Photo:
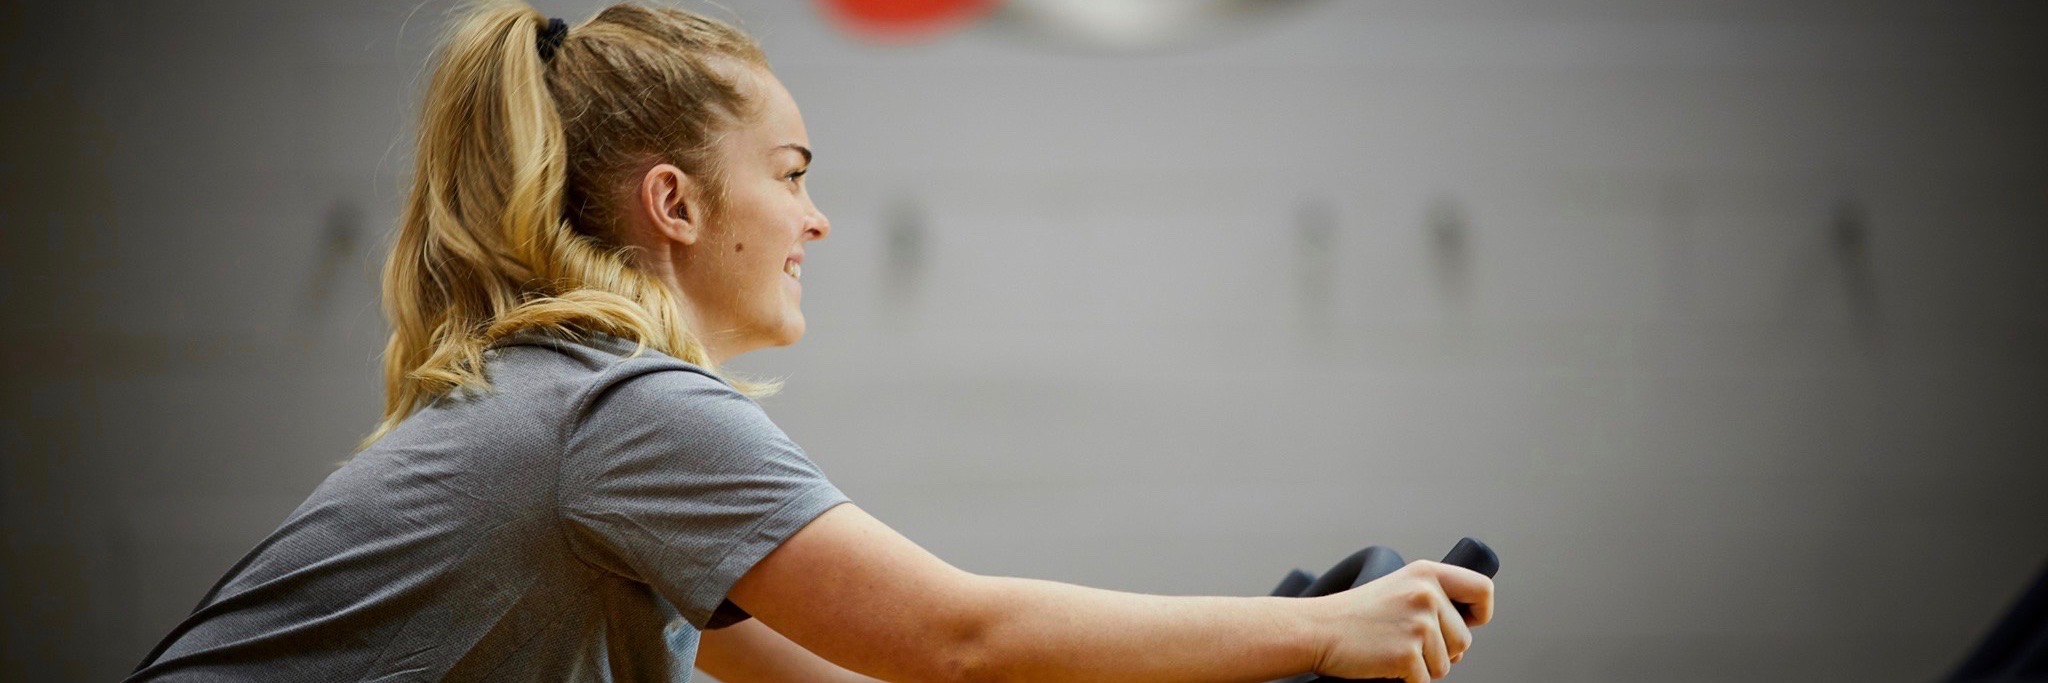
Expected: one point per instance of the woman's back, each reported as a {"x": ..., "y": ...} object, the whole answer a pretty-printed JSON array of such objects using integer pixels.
[{"x": 567, "y": 523}]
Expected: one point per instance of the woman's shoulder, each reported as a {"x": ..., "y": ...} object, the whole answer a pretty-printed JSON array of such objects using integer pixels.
[
  {"x": 593, "y": 353},
  {"x": 561, "y": 384},
  {"x": 595, "y": 367},
  {"x": 621, "y": 396}
]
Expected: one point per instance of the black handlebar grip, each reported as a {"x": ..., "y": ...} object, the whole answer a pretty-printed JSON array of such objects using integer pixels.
[
  {"x": 1468, "y": 553},
  {"x": 1296, "y": 581},
  {"x": 1473, "y": 555},
  {"x": 1362, "y": 566}
]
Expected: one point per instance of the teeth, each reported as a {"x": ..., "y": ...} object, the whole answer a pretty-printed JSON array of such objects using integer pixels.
[{"x": 795, "y": 270}]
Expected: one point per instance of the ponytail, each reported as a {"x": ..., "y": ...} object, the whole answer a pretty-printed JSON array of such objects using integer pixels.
[{"x": 484, "y": 248}]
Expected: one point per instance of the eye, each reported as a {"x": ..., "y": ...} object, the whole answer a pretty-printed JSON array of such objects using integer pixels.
[{"x": 799, "y": 173}]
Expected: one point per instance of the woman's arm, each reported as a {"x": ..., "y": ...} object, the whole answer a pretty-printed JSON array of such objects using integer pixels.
[
  {"x": 855, "y": 592},
  {"x": 750, "y": 652}
]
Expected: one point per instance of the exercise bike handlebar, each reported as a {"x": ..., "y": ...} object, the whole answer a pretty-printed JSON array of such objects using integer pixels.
[{"x": 1374, "y": 562}]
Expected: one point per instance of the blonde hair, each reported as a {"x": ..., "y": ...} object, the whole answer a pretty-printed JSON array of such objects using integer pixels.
[{"x": 511, "y": 223}]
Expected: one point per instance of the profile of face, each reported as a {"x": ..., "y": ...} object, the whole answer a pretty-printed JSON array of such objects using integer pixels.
[{"x": 740, "y": 272}]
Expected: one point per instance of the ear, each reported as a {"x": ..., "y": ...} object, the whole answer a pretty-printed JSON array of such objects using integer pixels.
[{"x": 668, "y": 200}]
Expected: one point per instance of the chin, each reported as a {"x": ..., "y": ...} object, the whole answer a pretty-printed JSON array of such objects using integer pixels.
[{"x": 790, "y": 333}]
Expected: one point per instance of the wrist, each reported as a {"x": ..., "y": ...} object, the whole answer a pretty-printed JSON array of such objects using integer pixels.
[{"x": 1313, "y": 619}]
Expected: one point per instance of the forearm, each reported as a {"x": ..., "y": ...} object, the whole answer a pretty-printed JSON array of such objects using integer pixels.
[
  {"x": 857, "y": 593},
  {"x": 1035, "y": 630}
]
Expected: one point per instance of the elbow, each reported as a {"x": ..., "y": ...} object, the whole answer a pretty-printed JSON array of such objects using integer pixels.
[
  {"x": 943, "y": 662},
  {"x": 978, "y": 662},
  {"x": 949, "y": 661},
  {"x": 954, "y": 667},
  {"x": 961, "y": 665},
  {"x": 964, "y": 651}
]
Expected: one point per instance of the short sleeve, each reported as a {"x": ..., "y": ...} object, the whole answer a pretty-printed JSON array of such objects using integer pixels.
[{"x": 674, "y": 479}]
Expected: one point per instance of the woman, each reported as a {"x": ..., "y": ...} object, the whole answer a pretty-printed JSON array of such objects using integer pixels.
[{"x": 563, "y": 485}]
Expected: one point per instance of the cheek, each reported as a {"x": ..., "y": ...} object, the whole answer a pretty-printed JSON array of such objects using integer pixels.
[
  {"x": 756, "y": 259},
  {"x": 761, "y": 232}
]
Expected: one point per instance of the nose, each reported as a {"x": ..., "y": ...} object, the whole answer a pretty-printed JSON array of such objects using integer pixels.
[{"x": 818, "y": 226}]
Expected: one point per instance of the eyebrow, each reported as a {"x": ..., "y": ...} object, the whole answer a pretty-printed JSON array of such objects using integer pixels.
[{"x": 800, "y": 149}]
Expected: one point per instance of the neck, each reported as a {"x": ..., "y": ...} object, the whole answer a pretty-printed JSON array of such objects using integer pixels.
[
  {"x": 719, "y": 344},
  {"x": 717, "y": 348}
]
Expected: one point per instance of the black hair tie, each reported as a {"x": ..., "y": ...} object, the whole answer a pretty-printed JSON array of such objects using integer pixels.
[{"x": 551, "y": 38}]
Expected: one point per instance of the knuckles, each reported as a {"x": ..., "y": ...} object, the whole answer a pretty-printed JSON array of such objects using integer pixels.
[
  {"x": 1418, "y": 627},
  {"x": 1418, "y": 595}
]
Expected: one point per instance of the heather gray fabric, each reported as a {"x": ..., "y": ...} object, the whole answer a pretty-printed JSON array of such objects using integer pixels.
[{"x": 580, "y": 522}]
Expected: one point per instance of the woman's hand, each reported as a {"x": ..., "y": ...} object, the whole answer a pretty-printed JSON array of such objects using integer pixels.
[{"x": 1402, "y": 625}]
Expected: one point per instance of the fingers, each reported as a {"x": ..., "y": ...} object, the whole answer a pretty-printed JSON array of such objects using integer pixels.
[
  {"x": 1418, "y": 671},
  {"x": 1466, "y": 587},
  {"x": 1435, "y": 653},
  {"x": 1457, "y": 636}
]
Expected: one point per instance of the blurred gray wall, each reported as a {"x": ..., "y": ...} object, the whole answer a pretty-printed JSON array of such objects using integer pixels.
[{"x": 1726, "y": 323}]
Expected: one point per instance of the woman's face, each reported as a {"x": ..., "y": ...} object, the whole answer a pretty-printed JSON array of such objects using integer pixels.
[{"x": 743, "y": 277}]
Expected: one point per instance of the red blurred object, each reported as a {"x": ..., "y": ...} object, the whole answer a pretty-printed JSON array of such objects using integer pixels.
[{"x": 904, "y": 21}]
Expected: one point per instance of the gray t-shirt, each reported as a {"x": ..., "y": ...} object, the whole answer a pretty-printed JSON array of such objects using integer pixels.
[{"x": 581, "y": 521}]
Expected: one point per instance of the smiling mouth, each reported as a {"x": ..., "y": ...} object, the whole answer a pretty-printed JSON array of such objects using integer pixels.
[{"x": 793, "y": 269}]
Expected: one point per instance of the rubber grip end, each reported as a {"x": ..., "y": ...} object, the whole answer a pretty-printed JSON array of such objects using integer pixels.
[{"x": 1474, "y": 555}]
